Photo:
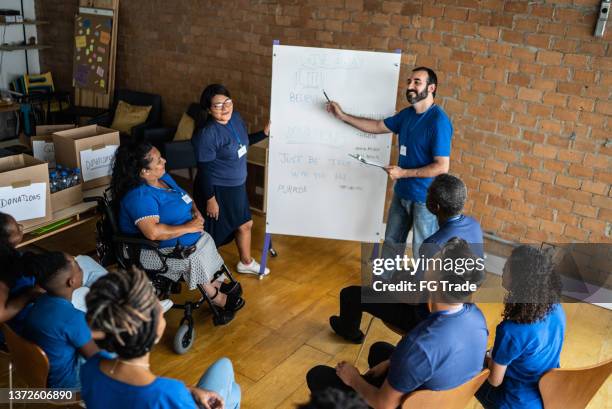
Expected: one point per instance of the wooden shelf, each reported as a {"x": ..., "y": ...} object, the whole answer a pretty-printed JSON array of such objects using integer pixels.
[
  {"x": 26, "y": 23},
  {"x": 23, "y": 47}
]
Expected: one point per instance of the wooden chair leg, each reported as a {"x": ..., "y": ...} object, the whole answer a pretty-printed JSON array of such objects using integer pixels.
[{"x": 365, "y": 338}]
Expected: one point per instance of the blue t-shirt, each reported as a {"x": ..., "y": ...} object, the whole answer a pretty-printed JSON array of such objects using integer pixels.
[
  {"x": 60, "y": 330},
  {"x": 219, "y": 144},
  {"x": 424, "y": 136},
  {"x": 529, "y": 351},
  {"x": 167, "y": 204},
  {"x": 99, "y": 391},
  {"x": 464, "y": 227},
  {"x": 442, "y": 352}
]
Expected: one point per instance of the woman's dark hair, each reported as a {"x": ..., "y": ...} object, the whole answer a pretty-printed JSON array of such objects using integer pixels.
[
  {"x": 43, "y": 266},
  {"x": 123, "y": 304},
  {"x": 206, "y": 100},
  {"x": 129, "y": 160},
  {"x": 5, "y": 220},
  {"x": 534, "y": 285}
]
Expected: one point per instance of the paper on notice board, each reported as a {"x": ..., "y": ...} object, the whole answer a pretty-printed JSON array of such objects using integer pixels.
[
  {"x": 44, "y": 151},
  {"x": 24, "y": 203},
  {"x": 97, "y": 163},
  {"x": 104, "y": 37},
  {"x": 80, "y": 41}
]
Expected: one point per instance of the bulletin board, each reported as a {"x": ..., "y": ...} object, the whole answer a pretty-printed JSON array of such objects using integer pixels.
[{"x": 93, "y": 31}]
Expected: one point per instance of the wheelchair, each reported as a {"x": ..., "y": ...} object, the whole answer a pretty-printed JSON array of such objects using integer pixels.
[{"x": 113, "y": 247}]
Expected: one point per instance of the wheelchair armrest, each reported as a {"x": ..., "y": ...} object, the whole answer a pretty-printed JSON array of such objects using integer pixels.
[{"x": 119, "y": 238}]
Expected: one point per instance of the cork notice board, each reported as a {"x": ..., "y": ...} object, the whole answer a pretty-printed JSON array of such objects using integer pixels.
[{"x": 92, "y": 39}]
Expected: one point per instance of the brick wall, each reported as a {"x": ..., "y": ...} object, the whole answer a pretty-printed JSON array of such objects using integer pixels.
[{"x": 527, "y": 85}]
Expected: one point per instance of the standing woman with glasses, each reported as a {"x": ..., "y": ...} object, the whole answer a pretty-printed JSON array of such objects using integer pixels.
[{"x": 221, "y": 142}]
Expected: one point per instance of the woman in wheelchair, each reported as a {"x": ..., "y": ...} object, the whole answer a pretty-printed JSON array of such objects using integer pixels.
[
  {"x": 123, "y": 306},
  {"x": 150, "y": 203}
]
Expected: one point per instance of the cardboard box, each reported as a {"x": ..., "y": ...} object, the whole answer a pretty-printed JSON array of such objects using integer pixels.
[
  {"x": 42, "y": 144},
  {"x": 94, "y": 146},
  {"x": 67, "y": 197},
  {"x": 19, "y": 174}
]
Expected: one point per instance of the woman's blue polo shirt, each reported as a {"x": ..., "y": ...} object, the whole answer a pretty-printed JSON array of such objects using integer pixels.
[{"x": 170, "y": 205}]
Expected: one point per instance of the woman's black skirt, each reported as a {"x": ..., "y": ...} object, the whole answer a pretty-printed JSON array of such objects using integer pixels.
[{"x": 234, "y": 211}]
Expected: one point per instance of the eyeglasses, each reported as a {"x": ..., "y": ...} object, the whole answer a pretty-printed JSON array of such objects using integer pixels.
[{"x": 228, "y": 103}]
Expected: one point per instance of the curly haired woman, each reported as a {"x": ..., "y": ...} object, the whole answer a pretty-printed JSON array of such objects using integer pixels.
[{"x": 528, "y": 341}]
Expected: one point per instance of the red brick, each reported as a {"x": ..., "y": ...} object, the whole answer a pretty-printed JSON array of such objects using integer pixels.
[
  {"x": 544, "y": 213},
  {"x": 581, "y": 104},
  {"x": 490, "y": 33},
  {"x": 552, "y": 227},
  {"x": 521, "y": 171},
  {"x": 604, "y": 107},
  {"x": 576, "y": 233},
  {"x": 552, "y": 98},
  {"x": 567, "y": 182},
  {"x": 554, "y": 165},
  {"x": 585, "y": 210},
  {"x": 519, "y": 79},
  {"x": 528, "y": 94},
  {"x": 559, "y": 73},
  {"x": 603, "y": 202},
  {"x": 545, "y": 151},
  {"x": 511, "y": 36},
  {"x": 538, "y": 40},
  {"x": 492, "y": 188},
  {"x": 571, "y": 156},
  {"x": 542, "y": 176},
  {"x": 521, "y": 207},
  {"x": 577, "y": 170},
  {"x": 523, "y": 54},
  {"x": 593, "y": 225},
  {"x": 597, "y": 161},
  {"x": 576, "y": 60},
  {"x": 595, "y": 187},
  {"x": 567, "y": 218},
  {"x": 530, "y": 185}
]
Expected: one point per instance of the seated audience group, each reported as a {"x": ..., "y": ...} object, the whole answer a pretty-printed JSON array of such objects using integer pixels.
[{"x": 98, "y": 328}]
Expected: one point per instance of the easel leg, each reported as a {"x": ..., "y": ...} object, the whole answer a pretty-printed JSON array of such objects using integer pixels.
[{"x": 264, "y": 255}]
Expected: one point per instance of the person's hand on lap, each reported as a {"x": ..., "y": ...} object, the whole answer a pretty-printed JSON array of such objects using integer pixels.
[
  {"x": 207, "y": 399},
  {"x": 347, "y": 372}
]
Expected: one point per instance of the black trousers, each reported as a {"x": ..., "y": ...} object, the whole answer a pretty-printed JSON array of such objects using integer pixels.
[
  {"x": 404, "y": 316},
  {"x": 322, "y": 377}
]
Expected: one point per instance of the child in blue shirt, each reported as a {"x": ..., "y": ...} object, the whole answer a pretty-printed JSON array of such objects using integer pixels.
[
  {"x": 528, "y": 341},
  {"x": 123, "y": 306},
  {"x": 53, "y": 323}
]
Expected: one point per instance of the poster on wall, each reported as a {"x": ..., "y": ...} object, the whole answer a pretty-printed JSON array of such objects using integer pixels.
[{"x": 92, "y": 42}]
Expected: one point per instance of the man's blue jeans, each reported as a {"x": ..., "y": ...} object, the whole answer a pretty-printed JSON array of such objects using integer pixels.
[
  {"x": 403, "y": 216},
  {"x": 219, "y": 378}
]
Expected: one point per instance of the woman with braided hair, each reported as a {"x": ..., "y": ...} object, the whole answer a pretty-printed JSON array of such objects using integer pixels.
[
  {"x": 528, "y": 341},
  {"x": 123, "y": 306},
  {"x": 150, "y": 203}
]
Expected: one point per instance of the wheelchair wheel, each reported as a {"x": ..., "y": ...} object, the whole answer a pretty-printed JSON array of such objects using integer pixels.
[{"x": 183, "y": 340}]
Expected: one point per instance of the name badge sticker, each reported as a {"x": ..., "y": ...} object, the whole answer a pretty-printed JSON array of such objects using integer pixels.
[
  {"x": 403, "y": 150},
  {"x": 242, "y": 151},
  {"x": 186, "y": 198}
]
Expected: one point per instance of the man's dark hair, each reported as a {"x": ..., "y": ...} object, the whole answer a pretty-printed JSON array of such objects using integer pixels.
[
  {"x": 449, "y": 192},
  {"x": 331, "y": 398},
  {"x": 432, "y": 78},
  {"x": 459, "y": 265}
]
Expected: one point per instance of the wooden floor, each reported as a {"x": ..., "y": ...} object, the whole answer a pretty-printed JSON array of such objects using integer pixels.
[{"x": 283, "y": 329}]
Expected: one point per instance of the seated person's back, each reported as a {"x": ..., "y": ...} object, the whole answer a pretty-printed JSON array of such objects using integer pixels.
[
  {"x": 442, "y": 352},
  {"x": 529, "y": 340},
  {"x": 101, "y": 391},
  {"x": 54, "y": 324},
  {"x": 529, "y": 350}
]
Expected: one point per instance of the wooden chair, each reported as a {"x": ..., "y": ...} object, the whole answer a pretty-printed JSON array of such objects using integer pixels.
[
  {"x": 457, "y": 398},
  {"x": 573, "y": 388},
  {"x": 393, "y": 328},
  {"x": 29, "y": 362}
]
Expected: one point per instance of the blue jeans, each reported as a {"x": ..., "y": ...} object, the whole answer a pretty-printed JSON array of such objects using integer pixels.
[
  {"x": 219, "y": 378},
  {"x": 403, "y": 216}
]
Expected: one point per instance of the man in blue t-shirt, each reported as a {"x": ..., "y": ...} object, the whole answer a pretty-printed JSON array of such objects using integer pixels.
[
  {"x": 445, "y": 199},
  {"x": 444, "y": 351},
  {"x": 424, "y": 133}
]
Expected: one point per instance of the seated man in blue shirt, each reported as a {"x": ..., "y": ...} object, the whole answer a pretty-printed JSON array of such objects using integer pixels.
[
  {"x": 53, "y": 323},
  {"x": 442, "y": 352},
  {"x": 445, "y": 198}
]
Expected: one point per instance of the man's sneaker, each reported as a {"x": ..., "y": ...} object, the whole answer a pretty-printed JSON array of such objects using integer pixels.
[
  {"x": 252, "y": 268},
  {"x": 166, "y": 304},
  {"x": 336, "y": 324}
]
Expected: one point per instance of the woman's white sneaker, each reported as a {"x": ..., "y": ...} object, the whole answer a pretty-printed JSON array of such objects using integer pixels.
[{"x": 252, "y": 268}]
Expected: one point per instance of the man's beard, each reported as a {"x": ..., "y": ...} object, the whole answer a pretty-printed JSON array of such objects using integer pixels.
[{"x": 414, "y": 97}]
